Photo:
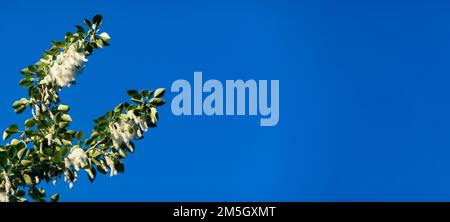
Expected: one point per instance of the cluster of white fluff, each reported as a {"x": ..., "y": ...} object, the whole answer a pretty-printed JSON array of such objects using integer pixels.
[
  {"x": 139, "y": 123},
  {"x": 131, "y": 127},
  {"x": 111, "y": 165},
  {"x": 67, "y": 178},
  {"x": 77, "y": 158},
  {"x": 153, "y": 116},
  {"x": 4, "y": 196},
  {"x": 67, "y": 66},
  {"x": 122, "y": 133}
]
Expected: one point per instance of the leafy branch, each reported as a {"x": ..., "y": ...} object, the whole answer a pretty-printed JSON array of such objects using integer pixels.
[{"x": 45, "y": 149}]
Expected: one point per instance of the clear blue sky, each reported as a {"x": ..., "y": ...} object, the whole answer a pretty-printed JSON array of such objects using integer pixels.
[{"x": 364, "y": 85}]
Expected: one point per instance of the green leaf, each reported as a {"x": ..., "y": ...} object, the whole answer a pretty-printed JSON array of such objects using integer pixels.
[
  {"x": 3, "y": 159},
  {"x": 69, "y": 35},
  {"x": 133, "y": 93},
  {"x": 27, "y": 179},
  {"x": 21, "y": 153},
  {"x": 64, "y": 151},
  {"x": 122, "y": 153},
  {"x": 92, "y": 174},
  {"x": 11, "y": 130},
  {"x": 26, "y": 162},
  {"x": 14, "y": 142},
  {"x": 42, "y": 192},
  {"x": 88, "y": 23},
  {"x": 145, "y": 93},
  {"x": 59, "y": 44},
  {"x": 25, "y": 71},
  {"x": 120, "y": 167},
  {"x": 104, "y": 36},
  {"x": 29, "y": 123},
  {"x": 66, "y": 117},
  {"x": 20, "y": 109},
  {"x": 63, "y": 108},
  {"x": 159, "y": 92},
  {"x": 29, "y": 70},
  {"x": 92, "y": 138},
  {"x": 79, "y": 135},
  {"x": 17, "y": 104},
  {"x": 66, "y": 142},
  {"x": 54, "y": 197},
  {"x": 157, "y": 101},
  {"x": 80, "y": 29},
  {"x": 20, "y": 103},
  {"x": 89, "y": 49},
  {"x": 101, "y": 120},
  {"x": 118, "y": 108},
  {"x": 26, "y": 82},
  {"x": 34, "y": 193},
  {"x": 99, "y": 43},
  {"x": 93, "y": 43},
  {"x": 97, "y": 19},
  {"x": 63, "y": 124},
  {"x": 20, "y": 193}
]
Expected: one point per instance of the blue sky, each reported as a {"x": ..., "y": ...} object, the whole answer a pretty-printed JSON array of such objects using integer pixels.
[{"x": 364, "y": 96}]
